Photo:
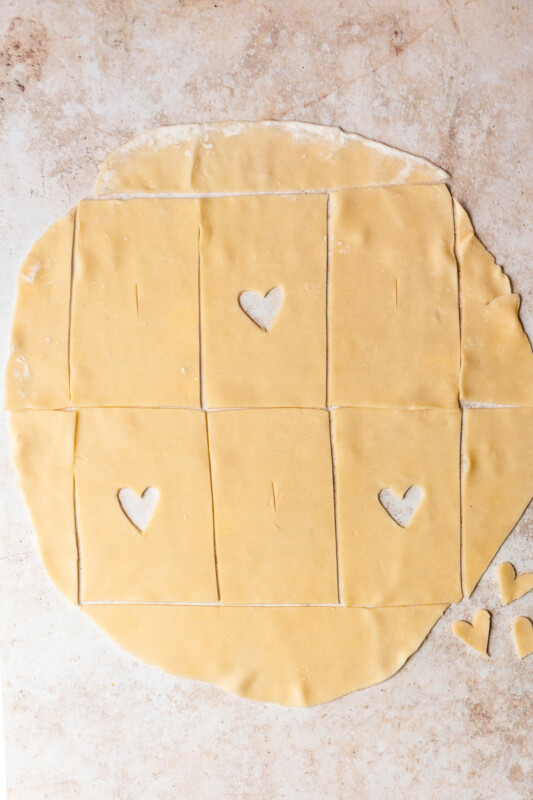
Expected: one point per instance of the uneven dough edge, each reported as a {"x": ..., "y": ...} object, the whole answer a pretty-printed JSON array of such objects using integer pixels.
[
  {"x": 498, "y": 447},
  {"x": 257, "y": 156},
  {"x": 37, "y": 371},
  {"x": 43, "y": 452},
  {"x": 294, "y": 656},
  {"x": 496, "y": 354}
]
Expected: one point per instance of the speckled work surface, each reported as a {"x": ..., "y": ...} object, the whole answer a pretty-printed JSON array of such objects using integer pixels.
[{"x": 448, "y": 80}]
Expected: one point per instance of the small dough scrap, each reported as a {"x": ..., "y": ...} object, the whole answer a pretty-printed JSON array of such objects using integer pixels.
[
  {"x": 380, "y": 562},
  {"x": 43, "y": 452},
  {"x": 497, "y": 360},
  {"x": 256, "y": 244},
  {"x": 174, "y": 559},
  {"x": 37, "y": 374},
  {"x": 394, "y": 308},
  {"x": 274, "y": 514},
  {"x": 498, "y": 443},
  {"x": 511, "y": 586},
  {"x": 475, "y": 634},
  {"x": 295, "y": 656},
  {"x": 523, "y": 636},
  {"x": 256, "y": 157},
  {"x": 135, "y": 317}
]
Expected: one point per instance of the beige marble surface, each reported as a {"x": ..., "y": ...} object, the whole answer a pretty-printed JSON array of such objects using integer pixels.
[{"x": 446, "y": 79}]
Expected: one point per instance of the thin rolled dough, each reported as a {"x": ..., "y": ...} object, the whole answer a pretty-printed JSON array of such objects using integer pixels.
[{"x": 280, "y": 505}]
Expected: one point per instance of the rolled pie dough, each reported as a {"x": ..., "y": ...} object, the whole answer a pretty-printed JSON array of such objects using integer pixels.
[{"x": 268, "y": 564}]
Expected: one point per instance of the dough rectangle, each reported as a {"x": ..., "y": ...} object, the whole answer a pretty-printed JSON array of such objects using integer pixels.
[
  {"x": 174, "y": 559},
  {"x": 135, "y": 336},
  {"x": 394, "y": 309},
  {"x": 380, "y": 562},
  {"x": 256, "y": 244},
  {"x": 273, "y": 497}
]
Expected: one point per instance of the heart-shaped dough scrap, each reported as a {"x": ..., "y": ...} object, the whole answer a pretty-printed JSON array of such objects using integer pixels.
[
  {"x": 401, "y": 509},
  {"x": 138, "y": 510},
  {"x": 523, "y": 636},
  {"x": 262, "y": 310},
  {"x": 513, "y": 587},
  {"x": 476, "y": 633}
]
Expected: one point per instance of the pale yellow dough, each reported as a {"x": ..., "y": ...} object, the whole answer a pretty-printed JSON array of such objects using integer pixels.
[
  {"x": 259, "y": 511},
  {"x": 497, "y": 360},
  {"x": 475, "y": 634},
  {"x": 37, "y": 373},
  {"x": 380, "y": 562},
  {"x": 293, "y": 656},
  {"x": 257, "y": 157},
  {"x": 135, "y": 314},
  {"x": 394, "y": 313},
  {"x": 43, "y": 451},
  {"x": 523, "y": 636},
  {"x": 174, "y": 560},
  {"x": 513, "y": 587},
  {"x": 258, "y": 243},
  {"x": 498, "y": 443},
  {"x": 274, "y": 515}
]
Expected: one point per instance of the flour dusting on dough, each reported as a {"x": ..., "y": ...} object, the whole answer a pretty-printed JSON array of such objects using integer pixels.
[
  {"x": 195, "y": 136},
  {"x": 31, "y": 272},
  {"x": 21, "y": 373}
]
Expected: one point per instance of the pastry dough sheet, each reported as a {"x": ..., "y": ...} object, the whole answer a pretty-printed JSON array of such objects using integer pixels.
[{"x": 268, "y": 564}]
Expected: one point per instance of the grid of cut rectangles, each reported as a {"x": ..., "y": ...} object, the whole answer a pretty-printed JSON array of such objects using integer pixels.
[{"x": 269, "y": 448}]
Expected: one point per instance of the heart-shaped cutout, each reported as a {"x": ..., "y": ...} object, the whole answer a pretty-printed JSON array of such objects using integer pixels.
[
  {"x": 523, "y": 636},
  {"x": 476, "y": 633},
  {"x": 262, "y": 310},
  {"x": 401, "y": 509},
  {"x": 511, "y": 586},
  {"x": 138, "y": 510}
]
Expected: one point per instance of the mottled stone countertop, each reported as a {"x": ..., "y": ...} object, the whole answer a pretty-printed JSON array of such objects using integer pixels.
[{"x": 446, "y": 79}]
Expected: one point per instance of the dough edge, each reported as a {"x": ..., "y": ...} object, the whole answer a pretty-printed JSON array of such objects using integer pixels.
[{"x": 292, "y": 656}]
